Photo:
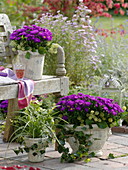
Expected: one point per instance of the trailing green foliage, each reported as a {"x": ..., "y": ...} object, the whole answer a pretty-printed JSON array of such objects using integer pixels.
[{"x": 84, "y": 144}]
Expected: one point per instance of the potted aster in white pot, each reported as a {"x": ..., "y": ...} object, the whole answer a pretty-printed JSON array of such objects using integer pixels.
[
  {"x": 85, "y": 115},
  {"x": 32, "y": 43}
]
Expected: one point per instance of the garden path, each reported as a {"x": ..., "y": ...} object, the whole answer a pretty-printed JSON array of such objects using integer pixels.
[{"x": 117, "y": 145}]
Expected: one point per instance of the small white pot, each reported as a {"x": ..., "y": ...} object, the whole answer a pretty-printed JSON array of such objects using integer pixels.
[
  {"x": 33, "y": 66},
  {"x": 41, "y": 142}
]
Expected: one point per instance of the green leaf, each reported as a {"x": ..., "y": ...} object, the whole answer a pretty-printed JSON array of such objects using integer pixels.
[
  {"x": 26, "y": 149},
  {"x": 88, "y": 122},
  {"x": 111, "y": 156},
  {"x": 16, "y": 151},
  {"x": 84, "y": 128},
  {"x": 87, "y": 160},
  {"x": 34, "y": 146},
  {"x": 41, "y": 50},
  {"x": 102, "y": 125},
  {"x": 89, "y": 143},
  {"x": 60, "y": 149},
  {"x": 34, "y": 153},
  {"x": 92, "y": 154},
  {"x": 27, "y": 55},
  {"x": 62, "y": 142},
  {"x": 42, "y": 151}
]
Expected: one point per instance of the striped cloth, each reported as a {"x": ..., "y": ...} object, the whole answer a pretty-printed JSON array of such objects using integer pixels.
[{"x": 25, "y": 88}]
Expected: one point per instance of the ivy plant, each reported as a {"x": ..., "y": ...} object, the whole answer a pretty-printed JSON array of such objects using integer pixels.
[{"x": 83, "y": 149}]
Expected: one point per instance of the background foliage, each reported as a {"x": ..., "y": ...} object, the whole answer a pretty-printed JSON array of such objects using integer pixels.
[{"x": 20, "y": 11}]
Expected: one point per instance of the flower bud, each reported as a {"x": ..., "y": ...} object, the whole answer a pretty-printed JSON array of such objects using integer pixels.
[
  {"x": 110, "y": 120},
  {"x": 124, "y": 108}
]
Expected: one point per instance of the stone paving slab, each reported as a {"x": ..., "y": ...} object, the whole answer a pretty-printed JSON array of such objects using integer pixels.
[
  {"x": 106, "y": 164},
  {"x": 123, "y": 160},
  {"x": 121, "y": 134},
  {"x": 122, "y": 140},
  {"x": 123, "y": 150},
  {"x": 111, "y": 145}
]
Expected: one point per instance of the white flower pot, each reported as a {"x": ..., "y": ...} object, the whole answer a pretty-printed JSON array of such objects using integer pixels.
[
  {"x": 33, "y": 66},
  {"x": 41, "y": 142},
  {"x": 98, "y": 138}
]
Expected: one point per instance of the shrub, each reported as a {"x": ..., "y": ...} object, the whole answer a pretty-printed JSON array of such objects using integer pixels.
[
  {"x": 77, "y": 38},
  {"x": 98, "y": 7}
]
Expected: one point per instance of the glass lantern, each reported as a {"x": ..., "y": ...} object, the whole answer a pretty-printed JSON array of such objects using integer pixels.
[{"x": 112, "y": 87}]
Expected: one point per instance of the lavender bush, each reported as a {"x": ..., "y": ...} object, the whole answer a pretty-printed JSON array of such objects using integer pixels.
[
  {"x": 77, "y": 38},
  {"x": 31, "y": 38},
  {"x": 80, "y": 109}
]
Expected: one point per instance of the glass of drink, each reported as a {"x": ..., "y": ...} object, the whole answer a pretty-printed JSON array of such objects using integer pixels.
[{"x": 19, "y": 71}]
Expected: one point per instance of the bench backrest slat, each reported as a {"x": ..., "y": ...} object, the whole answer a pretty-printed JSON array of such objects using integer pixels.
[{"x": 5, "y": 30}]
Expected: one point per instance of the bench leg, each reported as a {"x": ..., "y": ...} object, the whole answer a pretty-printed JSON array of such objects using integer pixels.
[{"x": 12, "y": 108}]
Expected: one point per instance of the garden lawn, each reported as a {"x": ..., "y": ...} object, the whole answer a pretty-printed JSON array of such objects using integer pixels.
[
  {"x": 115, "y": 33},
  {"x": 108, "y": 23}
]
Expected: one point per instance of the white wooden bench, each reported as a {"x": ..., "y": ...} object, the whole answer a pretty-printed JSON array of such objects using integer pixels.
[{"x": 58, "y": 84}]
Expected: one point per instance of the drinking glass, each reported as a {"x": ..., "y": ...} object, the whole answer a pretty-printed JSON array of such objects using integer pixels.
[{"x": 19, "y": 71}]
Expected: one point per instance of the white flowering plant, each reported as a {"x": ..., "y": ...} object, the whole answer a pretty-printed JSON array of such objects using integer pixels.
[{"x": 77, "y": 38}]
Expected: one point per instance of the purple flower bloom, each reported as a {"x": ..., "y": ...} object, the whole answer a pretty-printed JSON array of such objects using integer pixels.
[
  {"x": 80, "y": 102},
  {"x": 4, "y": 104},
  {"x": 105, "y": 108},
  {"x": 83, "y": 106},
  {"x": 86, "y": 109},
  {"x": 18, "y": 38},
  {"x": 23, "y": 33},
  {"x": 34, "y": 32},
  {"x": 37, "y": 40},
  {"x": 31, "y": 37},
  {"x": 70, "y": 103},
  {"x": 65, "y": 117},
  {"x": 78, "y": 108},
  {"x": 87, "y": 103},
  {"x": 62, "y": 108}
]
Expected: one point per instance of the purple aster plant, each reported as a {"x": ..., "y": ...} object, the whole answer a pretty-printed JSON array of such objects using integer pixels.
[
  {"x": 3, "y": 108},
  {"x": 80, "y": 109},
  {"x": 31, "y": 38}
]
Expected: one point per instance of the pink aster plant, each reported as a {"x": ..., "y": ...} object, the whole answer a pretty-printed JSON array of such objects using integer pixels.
[
  {"x": 31, "y": 38},
  {"x": 81, "y": 109}
]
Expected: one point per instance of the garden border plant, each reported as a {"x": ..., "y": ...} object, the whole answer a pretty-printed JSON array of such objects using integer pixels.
[
  {"x": 84, "y": 144},
  {"x": 77, "y": 38},
  {"x": 84, "y": 111}
]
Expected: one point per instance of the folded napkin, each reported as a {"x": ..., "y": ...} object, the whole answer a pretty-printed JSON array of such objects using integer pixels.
[
  {"x": 1, "y": 68},
  {"x": 25, "y": 88},
  {"x": 3, "y": 74}
]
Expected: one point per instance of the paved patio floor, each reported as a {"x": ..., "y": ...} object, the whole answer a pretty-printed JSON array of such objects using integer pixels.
[{"x": 117, "y": 144}]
